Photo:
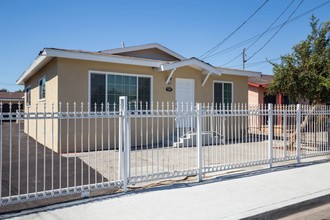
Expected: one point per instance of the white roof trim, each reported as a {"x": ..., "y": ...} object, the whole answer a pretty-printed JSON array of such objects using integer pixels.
[
  {"x": 238, "y": 72},
  {"x": 49, "y": 53},
  {"x": 190, "y": 62},
  {"x": 12, "y": 100},
  {"x": 144, "y": 47},
  {"x": 102, "y": 58},
  {"x": 33, "y": 68}
]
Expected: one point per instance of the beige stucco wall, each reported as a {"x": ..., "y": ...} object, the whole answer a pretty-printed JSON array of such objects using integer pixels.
[
  {"x": 73, "y": 78},
  {"x": 67, "y": 81},
  {"x": 253, "y": 95},
  {"x": 73, "y": 81},
  {"x": 44, "y": 130},
  {"x": 256, "y": 95}
]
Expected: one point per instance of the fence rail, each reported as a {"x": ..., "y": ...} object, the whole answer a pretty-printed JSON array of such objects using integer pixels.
[{"x": 52, "y": 151}]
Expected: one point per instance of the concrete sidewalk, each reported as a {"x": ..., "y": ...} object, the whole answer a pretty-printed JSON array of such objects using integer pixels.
[{"x": 233, "y": 197}]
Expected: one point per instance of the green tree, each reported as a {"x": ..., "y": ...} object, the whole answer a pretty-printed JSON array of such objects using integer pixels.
[
  {"x": 3, "y": 90},
  {"x": 305, "y": 72}
]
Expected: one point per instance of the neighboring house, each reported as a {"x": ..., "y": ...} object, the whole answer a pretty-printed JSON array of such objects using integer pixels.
[
  {"x": 146, "y": 73},
  {"x": 258, "y": 93},
  {"x": 11, "y": 102},
  {"x": 258, "y": 96}
]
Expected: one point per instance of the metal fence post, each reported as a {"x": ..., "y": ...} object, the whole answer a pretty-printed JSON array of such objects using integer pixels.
[
  {"x": 328, "y": 134},
  {"x": 284, "y": 131},
  {"x": 298, "y": 122},
  {"x": 123, "y": 141},
  {"x": 120, "y": 141},
  {"x": 199, "y": 142},
  {"x": 270, "y": 134},
  {"x": 128, "y": 145}
]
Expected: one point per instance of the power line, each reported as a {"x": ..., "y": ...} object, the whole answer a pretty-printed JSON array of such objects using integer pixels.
[
  {"x": 8, "y": 84},
  {"x": 272, "y": 29},
  {"x": 263, "y": 46},
  {"x": 209, "y": 52},
  {"x": 232, "y": 59},
  {"x": 271, "y": 25},
  {"x": 256, "y": 63}
]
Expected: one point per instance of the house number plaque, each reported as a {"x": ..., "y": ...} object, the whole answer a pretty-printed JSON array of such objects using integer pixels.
[{"x": 169, "y": 89}]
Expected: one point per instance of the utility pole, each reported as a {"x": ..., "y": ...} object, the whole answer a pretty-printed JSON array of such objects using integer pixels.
[{"x": 244, "y": 58}]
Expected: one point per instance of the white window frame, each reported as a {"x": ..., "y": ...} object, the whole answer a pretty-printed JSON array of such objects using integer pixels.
[
  {"x": 26, "y": 98},
  {"x": 90, "y": 72},
  {"x": 232, "y": 89},
  {"x": 44, "y": 98}
]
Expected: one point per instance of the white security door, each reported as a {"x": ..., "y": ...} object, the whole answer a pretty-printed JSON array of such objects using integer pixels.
[
  {"x": 184, "y": 94},
  {"x": 184, "y": 91}
]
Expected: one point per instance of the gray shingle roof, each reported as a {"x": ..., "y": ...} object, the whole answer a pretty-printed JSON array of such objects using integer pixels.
[{"x": 11, "y": 95}]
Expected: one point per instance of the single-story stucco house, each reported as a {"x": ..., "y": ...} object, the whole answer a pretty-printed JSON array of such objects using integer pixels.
[
  {"x": 257, "y": 86},
  {"x": 258, "y": 93},
  {"x": 11, "y": 102},
  {"x": 145, "y": 73}
]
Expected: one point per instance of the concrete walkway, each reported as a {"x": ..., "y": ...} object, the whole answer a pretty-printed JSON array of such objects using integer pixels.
[{"x": 233, "y": 197}]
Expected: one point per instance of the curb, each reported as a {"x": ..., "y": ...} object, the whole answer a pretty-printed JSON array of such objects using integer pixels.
[{"x": 292, "y": 209}]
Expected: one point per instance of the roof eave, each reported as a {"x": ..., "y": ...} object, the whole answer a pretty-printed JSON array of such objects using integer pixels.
[
  {"x": 144, "y": 47},
  {"x": 11, "y": 100},
  {"x": 36, "y": 65},
  {"x": 103, "y": 58},
  {"x": 191, "y": 62},
  {"x": 49, "y": 53},
  {"x": 237, "y": 72}
]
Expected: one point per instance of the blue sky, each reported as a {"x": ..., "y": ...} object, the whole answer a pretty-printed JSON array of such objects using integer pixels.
[{"x": 187, "y": 27}]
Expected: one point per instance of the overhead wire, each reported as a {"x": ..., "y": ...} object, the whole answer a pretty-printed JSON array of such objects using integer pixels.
[
  {"x": 270, "y": 30},
  {"x": 263, "y": 46},
  {"x": 232, "y": 59},
  {"x": 8, "y": 84},
  {"x": 271, "y": 25},
  {"x": 207, "y": 53},
  {"x": 263, "y": 33},
  {"x": 257, "y": 63}
]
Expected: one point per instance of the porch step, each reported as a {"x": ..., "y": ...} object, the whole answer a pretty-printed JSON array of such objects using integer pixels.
[{"x": 190, "y": 139}]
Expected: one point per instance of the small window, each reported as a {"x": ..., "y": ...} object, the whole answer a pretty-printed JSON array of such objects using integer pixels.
[
  {"x": 223, "y": 94},
  {"x": 42, "y": 88},
  {"x": 28, "y": 95}
]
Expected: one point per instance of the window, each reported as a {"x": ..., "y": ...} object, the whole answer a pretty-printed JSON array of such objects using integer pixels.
[
  {"x": 42, "y": 88},
  {"x": 107, "y": 88},
  {"x": 97, "y": 90},
  {"x": 223, "y": 93},
  {"x": 28, "y": 95}
]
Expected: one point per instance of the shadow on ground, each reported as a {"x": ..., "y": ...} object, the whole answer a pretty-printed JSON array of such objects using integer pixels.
[{"x": 29, "y": 167}]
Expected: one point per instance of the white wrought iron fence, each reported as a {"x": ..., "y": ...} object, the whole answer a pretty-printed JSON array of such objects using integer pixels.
[{"x": 52, "y": 151}]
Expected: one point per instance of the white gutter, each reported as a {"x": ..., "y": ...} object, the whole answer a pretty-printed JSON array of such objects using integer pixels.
[
  {"x": 11, "y": 100},
  {"x": 48, "y": 53},
  {"x": 34, "y": 67},
  {"x": 102, "y": 58},
  {"x": 239, "y": 72}
]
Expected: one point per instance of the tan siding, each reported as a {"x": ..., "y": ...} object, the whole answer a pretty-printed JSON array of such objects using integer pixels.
[
  {"x": 253, "y": 95},
  {"x": 44, "y": 129},
  {"x": 73, "y": 81},
  {"x": 67, "y": 82}
]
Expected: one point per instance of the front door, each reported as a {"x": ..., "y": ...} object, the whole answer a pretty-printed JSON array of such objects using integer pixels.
[
  {"x": 184, "y": 92},
  {"x": 185, "y": 99}
]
